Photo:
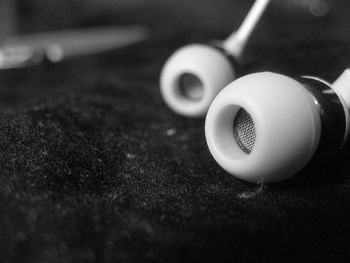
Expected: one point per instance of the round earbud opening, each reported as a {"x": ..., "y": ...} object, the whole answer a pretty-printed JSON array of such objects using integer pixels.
[
  {"x": 244, "y": 130},
  {"x": 234, "y": 130},
  {"x": 190, "y": 87}
]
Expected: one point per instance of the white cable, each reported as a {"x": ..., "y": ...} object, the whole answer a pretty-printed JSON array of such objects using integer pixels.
[{"x": 237, "y": 41}]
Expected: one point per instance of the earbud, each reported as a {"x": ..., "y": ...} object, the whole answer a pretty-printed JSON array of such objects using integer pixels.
[
  {"x": 195, "y": 74},
  {"x": 265, "y": 127}
]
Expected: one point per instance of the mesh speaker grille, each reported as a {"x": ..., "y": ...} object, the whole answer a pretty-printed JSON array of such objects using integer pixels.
[{"x": 244, "y": 131}]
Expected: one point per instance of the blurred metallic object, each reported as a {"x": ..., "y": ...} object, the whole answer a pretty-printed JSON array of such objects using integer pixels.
[
  {"x": 20, "y": 56},
  {"x": 34, "y": 49}
]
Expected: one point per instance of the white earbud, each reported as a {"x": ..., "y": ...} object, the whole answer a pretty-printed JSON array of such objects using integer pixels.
[
  {"x": 265, "y": 127},
  {"x": 194, "y": 74}
]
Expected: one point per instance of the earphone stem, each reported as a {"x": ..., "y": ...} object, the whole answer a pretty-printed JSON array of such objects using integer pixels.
[
  {"x": 237, "y": 41},
  {"x": 342, "y": 86}
]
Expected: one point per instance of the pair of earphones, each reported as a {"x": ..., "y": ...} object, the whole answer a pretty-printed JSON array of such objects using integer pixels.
[{"x": 263, "y": 127}]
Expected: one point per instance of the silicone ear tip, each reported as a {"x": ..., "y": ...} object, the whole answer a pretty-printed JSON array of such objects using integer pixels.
[
  {"x": 192, "y": 77},
  {"x": 286, "y": 127}
]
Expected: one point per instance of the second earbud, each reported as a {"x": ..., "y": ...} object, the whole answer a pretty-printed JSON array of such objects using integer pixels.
[
  {"x": 195, "y": 74},
  {"x": 265, "y": 127}
]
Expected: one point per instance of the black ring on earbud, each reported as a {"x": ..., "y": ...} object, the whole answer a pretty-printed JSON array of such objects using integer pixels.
[
  {"x": 333, "y": 118},
  {"x": 231, "y": 59}
]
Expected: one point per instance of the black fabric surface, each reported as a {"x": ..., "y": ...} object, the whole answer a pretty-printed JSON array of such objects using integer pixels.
[{"x": 95, "y": 168}]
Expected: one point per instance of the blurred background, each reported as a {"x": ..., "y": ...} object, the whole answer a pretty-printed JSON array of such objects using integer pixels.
[
  {"x": 294, "y": 37},
  {"x": 24, "y": 16},
  {"x": 286, "y": 21}
]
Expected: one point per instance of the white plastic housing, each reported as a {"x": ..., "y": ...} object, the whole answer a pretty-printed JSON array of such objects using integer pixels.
[
  {"x": 192, "y": 77},
  {"x": 342, "y": 87},
  {"x": 287, "y": 127}
]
